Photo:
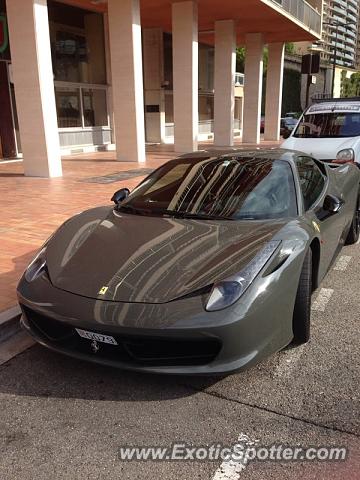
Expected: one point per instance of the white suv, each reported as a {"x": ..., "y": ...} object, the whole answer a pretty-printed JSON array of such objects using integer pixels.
[{"x": 329, "y": 131}]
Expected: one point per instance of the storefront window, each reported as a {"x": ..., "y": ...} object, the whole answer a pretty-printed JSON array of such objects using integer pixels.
[
  {"x": 94, "y": 105},
  {"x": 169, "y": 108},
  {"x": 81, "y": 107},
  {"x": 238, "y": 112},
  {"x": 68, "y": 107},
  {"x": 78, "y": 57},
  {"x": 70, "y": 57},
  {"x": 168, "y": 62},
  {"x": 206, "y": 68},
  {"x": 206, "y": 107},
  {"x": 77, "y": 44}
]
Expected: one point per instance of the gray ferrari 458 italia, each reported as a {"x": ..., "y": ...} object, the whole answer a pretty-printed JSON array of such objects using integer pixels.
[{"x": 206, "y": 267}]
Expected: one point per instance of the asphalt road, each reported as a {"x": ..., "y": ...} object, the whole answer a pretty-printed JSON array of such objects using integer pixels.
[{"x": 61, "y": 418}]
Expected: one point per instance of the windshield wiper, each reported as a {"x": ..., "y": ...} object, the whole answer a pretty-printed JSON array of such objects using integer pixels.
[
  {"x": 128, "y": 208},
  {"x": 195, "y": 216},
  {"x": 131, "y": 209}
]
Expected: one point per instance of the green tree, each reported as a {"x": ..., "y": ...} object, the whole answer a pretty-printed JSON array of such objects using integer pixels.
[
  {"x": 240, "y": 59},
  {"x": 350, "y": 87},
  {"x": 290, "y": 48},
  {"x": 241, "y": 54}
]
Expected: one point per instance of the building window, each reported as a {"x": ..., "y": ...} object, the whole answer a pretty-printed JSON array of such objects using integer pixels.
[
  {"x": 169, "y": 107},
  {"x": 206, "y": 107},
  {"x": 94, "y": 105},
  {"x": 79, "y": 66},
  {"x": 238, "y": 112},
  {"x": 81, "y": 107},
  {"x": 70, "y": 59},
  {"x": 68, "y": 107},
  {"x": 77, "y": 44}
]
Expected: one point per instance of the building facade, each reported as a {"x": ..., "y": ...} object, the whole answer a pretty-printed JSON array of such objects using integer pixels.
[
  {"x": 340, "y": 32},
  {"x": 82, "y": 74}
]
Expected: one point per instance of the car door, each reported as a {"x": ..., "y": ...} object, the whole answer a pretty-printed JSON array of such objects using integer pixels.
[{"x": 314, "y": 188}]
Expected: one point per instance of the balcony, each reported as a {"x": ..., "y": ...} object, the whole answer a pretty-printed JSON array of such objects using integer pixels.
[{"x": 303, "y": 12}]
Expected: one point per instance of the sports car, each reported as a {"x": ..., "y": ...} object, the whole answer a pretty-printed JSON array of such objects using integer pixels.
[{"x": 206, "y": 267}]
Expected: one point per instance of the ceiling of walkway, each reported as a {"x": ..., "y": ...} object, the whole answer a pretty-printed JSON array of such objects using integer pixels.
[{"x": 252, "y": 16}]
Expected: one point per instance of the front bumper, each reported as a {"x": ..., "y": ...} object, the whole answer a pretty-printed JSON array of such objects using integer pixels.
[{"x": 178, "y": 337}]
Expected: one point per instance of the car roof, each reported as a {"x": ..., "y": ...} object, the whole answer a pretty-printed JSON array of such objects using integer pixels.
[
  {"x": 268, "y": 153},
  {"x": 346, "y": 105}
]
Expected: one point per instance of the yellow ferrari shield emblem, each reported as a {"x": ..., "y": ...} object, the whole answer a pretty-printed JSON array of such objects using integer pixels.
[
  {"x": 103, "y": 290},
  {"x": 316, "y": 226}
]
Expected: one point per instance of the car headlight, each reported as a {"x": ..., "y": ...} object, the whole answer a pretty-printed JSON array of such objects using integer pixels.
[
  {"x": 227, "y": 292},
  {"x": 36, "y": 267},
  {"x": 345, "y": 156}
]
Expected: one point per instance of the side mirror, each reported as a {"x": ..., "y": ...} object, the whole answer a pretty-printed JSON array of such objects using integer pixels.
[
  {"x": 332, "y": 204},
  {"x": 120, "y": 195},
  {"x": 286, "y": 134}
]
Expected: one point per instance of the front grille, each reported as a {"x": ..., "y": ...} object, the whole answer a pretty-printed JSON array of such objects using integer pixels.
[{"x": 131, "y": 349}]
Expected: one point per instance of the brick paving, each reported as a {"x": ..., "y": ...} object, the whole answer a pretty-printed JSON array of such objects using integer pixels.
[{"x": 32, "y": 208}]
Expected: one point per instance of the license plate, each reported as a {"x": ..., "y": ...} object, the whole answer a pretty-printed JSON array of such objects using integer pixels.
[{"x": 96, "y": 336}]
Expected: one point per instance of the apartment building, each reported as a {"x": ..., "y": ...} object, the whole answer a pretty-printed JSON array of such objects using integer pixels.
[{"x": 342, "y": 35}]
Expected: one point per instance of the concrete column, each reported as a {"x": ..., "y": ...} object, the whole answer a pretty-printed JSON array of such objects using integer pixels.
[
  {"x": 225, "y": 65},
  {"x": 253, "y": 87},
  {"x": 185, "y": 75},
  {"x": 274, "y": 89},
  {"x": 34, "y": 86},
  {"x": 127, "y": 79}
]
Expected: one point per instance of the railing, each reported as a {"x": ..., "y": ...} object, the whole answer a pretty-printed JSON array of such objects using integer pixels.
[
  {"x": 239, "y": 79},
  {"x": 303, "y": 11}
]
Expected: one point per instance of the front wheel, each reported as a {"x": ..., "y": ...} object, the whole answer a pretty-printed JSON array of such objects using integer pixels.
[
  {"x": 302, "y": 309},
  {"x": 354, "y": 232}
]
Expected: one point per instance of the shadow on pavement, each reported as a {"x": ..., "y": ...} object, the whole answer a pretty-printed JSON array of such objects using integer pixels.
[
  {"x": 38, "y": 372},
  {"x": 11, "y": 269},
  {"x": 2, "y": 174}
]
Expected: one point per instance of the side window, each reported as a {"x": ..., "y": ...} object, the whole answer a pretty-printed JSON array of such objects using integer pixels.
[{"x": 312, "y": 181}]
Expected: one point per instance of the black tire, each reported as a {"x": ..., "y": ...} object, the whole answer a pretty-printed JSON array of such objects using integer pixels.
[
  {"x": 354, "y": 232},
  {"x": 302, "y": 309}
]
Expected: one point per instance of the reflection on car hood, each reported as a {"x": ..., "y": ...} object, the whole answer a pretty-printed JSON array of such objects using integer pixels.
[{"x": 129, "y": 258}]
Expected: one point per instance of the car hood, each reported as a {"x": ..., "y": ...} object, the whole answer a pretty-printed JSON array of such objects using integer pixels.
[
  {"x": 320, "y": 148},
  {"x": 129, "y": 258}
]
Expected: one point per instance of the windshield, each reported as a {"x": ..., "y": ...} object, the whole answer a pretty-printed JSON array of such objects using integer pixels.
[
  {"x": 329, "y": 125},
  {"x": 222, "y": 188}
]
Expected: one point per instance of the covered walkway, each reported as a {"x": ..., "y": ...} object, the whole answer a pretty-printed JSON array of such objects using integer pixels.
[{"x": 141, "y": 75}]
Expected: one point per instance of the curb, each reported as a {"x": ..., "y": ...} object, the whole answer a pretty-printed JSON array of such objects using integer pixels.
[{"x": 9, "y": 323}]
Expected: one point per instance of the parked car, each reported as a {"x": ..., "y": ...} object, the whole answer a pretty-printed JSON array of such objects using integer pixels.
[
  {"x": 329, "y": 131},
  {"x": 287, "y": 125},
  {"x": 206, "y": 267}
]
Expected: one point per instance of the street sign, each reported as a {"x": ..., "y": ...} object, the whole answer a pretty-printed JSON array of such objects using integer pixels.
[{"x": 310, "y": 63}]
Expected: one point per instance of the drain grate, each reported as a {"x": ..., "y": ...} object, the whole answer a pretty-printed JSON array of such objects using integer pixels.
[{"x": 118, "y": 176}]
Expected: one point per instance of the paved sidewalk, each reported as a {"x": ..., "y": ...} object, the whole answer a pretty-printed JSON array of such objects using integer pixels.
[{"x": 32, "y": 208}]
